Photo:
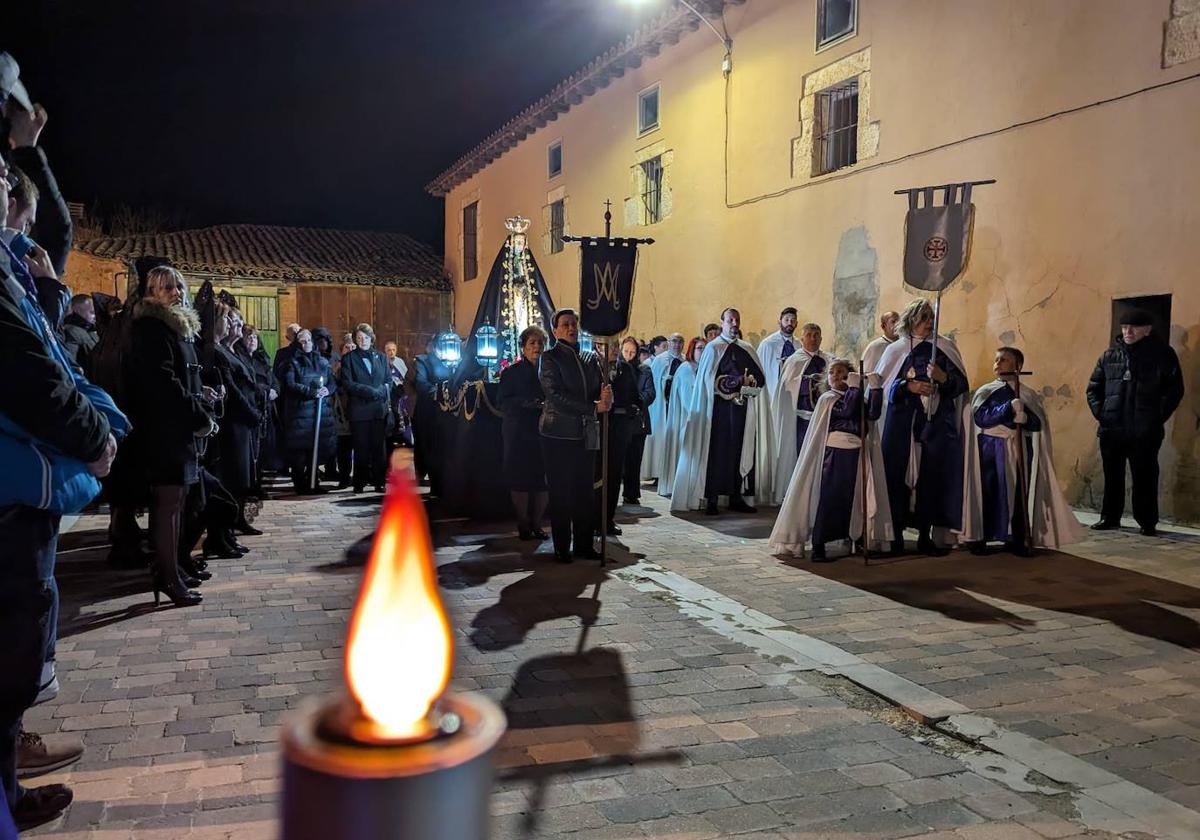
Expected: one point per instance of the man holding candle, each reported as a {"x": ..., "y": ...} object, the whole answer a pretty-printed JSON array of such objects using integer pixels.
[{"x": 575, "y": 394}]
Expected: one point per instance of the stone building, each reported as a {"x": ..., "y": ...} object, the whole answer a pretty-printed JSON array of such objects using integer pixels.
[
  {"x": 330, "y": 278},
  {"x": 773, "y": 184}
]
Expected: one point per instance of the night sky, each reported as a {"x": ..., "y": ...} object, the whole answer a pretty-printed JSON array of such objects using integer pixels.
[{"x": 323, "y": 113}]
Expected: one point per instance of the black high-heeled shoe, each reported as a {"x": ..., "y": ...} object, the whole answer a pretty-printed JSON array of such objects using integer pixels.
[
  {"x": 189, "y": 568},
  {"x": 246, "y": 528},
  {"x": 220, "y": 552},
  {"x": 179, "y": 594}
]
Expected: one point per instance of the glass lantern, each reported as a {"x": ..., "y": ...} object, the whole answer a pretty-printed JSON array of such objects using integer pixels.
[
  {"x": 448, "y": 348},
  {"x": 586, "y": 344},
  {"x": 487, "y": 349}
]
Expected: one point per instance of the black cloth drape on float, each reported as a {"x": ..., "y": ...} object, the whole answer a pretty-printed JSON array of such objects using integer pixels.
[{"x": 470, "y": 448}]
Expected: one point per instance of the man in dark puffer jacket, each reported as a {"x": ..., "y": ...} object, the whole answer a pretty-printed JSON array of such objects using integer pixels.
[{"x": 1136, "y": 386}]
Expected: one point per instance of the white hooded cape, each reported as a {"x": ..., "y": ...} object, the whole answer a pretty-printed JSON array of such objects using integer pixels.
[
  {"x": 889, "y": 369},
  {"x": 874, "y": 352},
  {"x": 770, "y": 351},
  {"x": 798, "y": 512},
  {"x": 687, "y": 492},
  {"x": 783, "y": 402},
  {"x": 652, "y": 457},
  {"x": 681, "y": 397},
  {"x": 1051, "y": 519}
]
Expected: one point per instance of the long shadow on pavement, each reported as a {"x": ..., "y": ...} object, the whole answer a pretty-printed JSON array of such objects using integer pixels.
[
  {"x": 85, "y": 579},
  {"x": 1051, "y": 581}
]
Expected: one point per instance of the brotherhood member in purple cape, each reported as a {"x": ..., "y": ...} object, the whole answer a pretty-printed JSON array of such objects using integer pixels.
[
  {"x": 922, "y": 436},
  {"x": 727, "y": 439},
  {"x": 991, "y": 509},
  {"x": 775, "y": 349},
  {"x": 793, "y": 402},
  {"x": 662, "y": 370},
  {"x": 683, "y": 386},
  {"x": 874, "y": 351},
  {"x": 824, "y": 496}
]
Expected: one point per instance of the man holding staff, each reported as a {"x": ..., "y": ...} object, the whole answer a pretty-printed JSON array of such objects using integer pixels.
[
  {"x": 925, "y": 389},
  {"x": 1012, "y": 494}
]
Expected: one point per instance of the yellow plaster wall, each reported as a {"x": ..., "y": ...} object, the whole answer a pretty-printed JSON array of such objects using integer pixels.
[
  {"x": 86, "y": 274},
  {"x": 1089, "y": 205}
]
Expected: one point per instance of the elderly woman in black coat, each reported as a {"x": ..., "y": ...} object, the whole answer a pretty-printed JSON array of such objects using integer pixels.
[
  {"x": 365, "y": 377},
  {"x": 239, "y": 426},
  {"x": 254, "y": 356},
  {"x": 309, "y": 384},
  {"x": 169, "y": 409},
  {"x": 520, "y": 398}
]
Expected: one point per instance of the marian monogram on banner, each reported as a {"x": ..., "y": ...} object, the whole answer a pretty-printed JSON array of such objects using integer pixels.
[
  {"x": 606, "y": 286},
  {"x": 606, "y": 282}
]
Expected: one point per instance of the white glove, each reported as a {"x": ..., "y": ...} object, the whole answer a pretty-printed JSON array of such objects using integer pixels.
[
  {"x": 1017, "y": 406},
  {"x": 875, "y": 380},
  {"x": 853, "y": 380},
  {"x": 1020, "y": 418}
]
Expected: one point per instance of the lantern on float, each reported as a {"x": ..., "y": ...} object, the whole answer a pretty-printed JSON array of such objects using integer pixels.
[
  {"x": 585, "y": 341},
  {"x": 487, "y": 349},
  {"x": 448, "y": 348}
]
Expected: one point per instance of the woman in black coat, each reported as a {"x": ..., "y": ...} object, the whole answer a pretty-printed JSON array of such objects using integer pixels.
[
  {"x": 169, "y": 410},
  {"x": 365, "y": 377},
  {"x": 520, "y": 398},
  {"x": 239, "y": 426},
  {"x": 255, "y": 357},
  {"x": 309, "y": 385}
]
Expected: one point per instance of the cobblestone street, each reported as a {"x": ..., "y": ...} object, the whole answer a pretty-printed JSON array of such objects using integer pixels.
[{"x": 697, "y": 688}]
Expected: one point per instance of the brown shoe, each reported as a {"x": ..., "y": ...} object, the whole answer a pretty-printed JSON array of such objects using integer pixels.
[
  {"x": 35, "y": 757},
  {"x": 40, "y": 805}
]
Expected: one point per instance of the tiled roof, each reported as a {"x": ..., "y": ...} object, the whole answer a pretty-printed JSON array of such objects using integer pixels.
[
  {"x": 286, "y": 253},
  {"x": 663, "y": 31}
]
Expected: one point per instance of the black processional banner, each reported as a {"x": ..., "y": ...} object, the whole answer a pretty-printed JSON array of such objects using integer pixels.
[
  {"x": 937, "y": 238},
  {"x": 606, "y": 285}
]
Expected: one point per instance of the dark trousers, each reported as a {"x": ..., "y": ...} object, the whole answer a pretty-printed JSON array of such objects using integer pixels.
[
  {"x": 620, "y": 437},
  {"x": 632, "y": 471},
  {"x": 370, "y": 452},
  {"x": 570, "y": 470},
  {"x": 28, "y": 606},
  {"x": 1142, "y": 455}
]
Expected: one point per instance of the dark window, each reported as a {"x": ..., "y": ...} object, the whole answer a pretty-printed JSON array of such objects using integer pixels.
[
  {"x": 558, "y": 220},
  {"x": 835, "y": 18},
  {"x": 470, "y": 226},
  {"x": 652, "y": 178},
  {"x": 1159, "y": 307},
  {"x": 648, "y": 110},
  {"x": 836, "y": 128},
  {"x": 554, "y": 159}
]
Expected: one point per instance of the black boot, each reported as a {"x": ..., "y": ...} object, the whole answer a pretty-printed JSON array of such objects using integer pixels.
[{"x": 818, "y": 554}]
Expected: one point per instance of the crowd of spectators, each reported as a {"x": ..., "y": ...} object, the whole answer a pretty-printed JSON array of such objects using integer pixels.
[{"x": 168, "y": 407}]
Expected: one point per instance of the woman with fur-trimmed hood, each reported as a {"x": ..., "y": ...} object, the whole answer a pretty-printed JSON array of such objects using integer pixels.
[{"x": 169, "y": 410}]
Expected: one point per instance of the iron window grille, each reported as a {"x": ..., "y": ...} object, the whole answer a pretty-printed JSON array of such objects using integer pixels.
[
  {"x": 836, "y": 143},
  {"x": 558, "y": 222},
  {"x": 260, "y": 312},
  {"x": 470, "y": 226},
  {"x": 835, "y": 19},
  {"x": 652, "y": 178},
  {"x": 648, "y": 110},
  {"x": 554, "y": 159}
]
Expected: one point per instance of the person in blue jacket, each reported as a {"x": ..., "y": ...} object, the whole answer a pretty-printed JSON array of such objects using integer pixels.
[{"x": 58, "y": 437}]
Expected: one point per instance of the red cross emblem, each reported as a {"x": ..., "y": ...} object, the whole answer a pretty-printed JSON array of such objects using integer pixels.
[{"x": 936, "y": 248}]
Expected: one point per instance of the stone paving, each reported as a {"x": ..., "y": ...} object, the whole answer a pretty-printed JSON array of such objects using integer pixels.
[{"x": 629, "y": 716}]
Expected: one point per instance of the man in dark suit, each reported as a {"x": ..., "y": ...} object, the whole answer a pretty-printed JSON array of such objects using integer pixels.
[
  {"x": 575, "y": 395},
  {"x": 365, "y": 377}
]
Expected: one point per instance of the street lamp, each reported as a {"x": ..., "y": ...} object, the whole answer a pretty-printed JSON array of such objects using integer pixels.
[{"x": 726, "y": 41}]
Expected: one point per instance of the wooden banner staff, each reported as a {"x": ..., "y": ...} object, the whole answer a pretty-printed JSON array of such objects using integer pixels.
[{"x": 604, "y": 379}]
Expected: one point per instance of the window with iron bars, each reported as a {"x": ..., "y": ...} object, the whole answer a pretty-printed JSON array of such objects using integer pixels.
[
  {"x": 836, "y": 144},
  {"x": 470, "y": 223},
  {"x": 652, "y": 178},
  {"x": 558, "y": 223}
]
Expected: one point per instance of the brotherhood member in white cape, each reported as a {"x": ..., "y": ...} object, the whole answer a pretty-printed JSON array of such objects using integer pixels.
[
  {"x": 923, "y": 432},
  {"x": 991, "y": 508},
  {"x": 682, "y": 389},
  {"x": 874, "y": 351},
  {"x": 662, "y": 371},
  {"x": 824, "y": 500},
  {"x": 727, "y": 444},
  {"x": 775, "y": 349},
  {"x": 794, "y": 400}
]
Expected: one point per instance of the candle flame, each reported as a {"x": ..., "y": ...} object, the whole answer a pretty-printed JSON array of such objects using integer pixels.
[{"x": 399, "y": 650}]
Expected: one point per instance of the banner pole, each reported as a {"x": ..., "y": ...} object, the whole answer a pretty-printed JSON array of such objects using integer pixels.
[
  {"x": 604, "y": 376},
  {"x": 937, "y": 316},
  {"x": 1022, "y": 475}
]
